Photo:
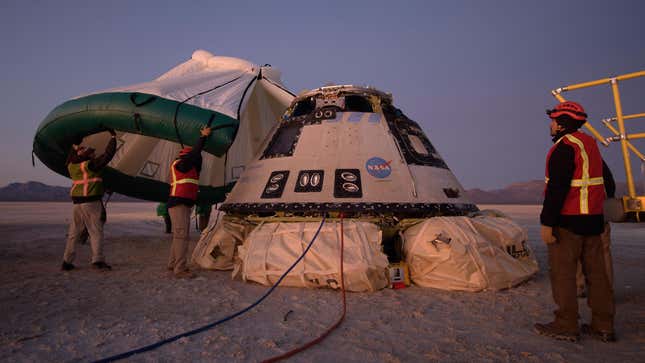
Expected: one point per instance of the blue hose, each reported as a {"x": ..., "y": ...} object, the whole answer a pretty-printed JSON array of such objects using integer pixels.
[{"x": 212, "y": 325}]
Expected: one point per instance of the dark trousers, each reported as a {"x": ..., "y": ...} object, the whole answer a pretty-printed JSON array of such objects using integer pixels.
[
  {"x": 605, "y": 238},
  {"x": 563, "y": 258}
]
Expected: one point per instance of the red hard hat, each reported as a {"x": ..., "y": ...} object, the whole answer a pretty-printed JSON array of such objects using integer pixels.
[
  {"x": 185, "y": 150},
  {"x": 570, "y": 108}
]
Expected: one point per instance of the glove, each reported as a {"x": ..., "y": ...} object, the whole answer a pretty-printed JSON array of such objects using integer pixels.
[
  {"x": 205, "y": 132},
  {"x": 546, "y": 233}
]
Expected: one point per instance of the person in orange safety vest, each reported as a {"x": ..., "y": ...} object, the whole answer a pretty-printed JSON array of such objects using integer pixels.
[
  {"x": 87, "y": 190},
  {"x": 572, "y": 222},
  {"x": 184, "y": 174}
]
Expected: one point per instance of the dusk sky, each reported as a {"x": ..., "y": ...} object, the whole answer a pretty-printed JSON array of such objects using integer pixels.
[{"x": 476, "y": 75}]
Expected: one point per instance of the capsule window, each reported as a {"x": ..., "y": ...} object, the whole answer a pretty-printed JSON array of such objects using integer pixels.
[
  {"x": 414, "y": 144},
  {"x": 304, "y": 107},
  {"x": 417, "y": 145},
  {"x": 284, "y": 141},
  {"x": 354, "y": 103}
]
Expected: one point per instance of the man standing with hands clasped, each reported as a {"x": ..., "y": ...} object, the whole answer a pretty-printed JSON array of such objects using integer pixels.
[
  {"x": 572, "y": 222},
  {"x": 184, "y": 173}
]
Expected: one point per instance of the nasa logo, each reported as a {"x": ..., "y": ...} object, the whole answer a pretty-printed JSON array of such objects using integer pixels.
[{"x": 378, "y": 167}]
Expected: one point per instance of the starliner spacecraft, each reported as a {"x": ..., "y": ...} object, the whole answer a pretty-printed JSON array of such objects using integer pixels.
[
  {"x": 347, "y": 149},
  {"x": 344, "y": 166}
]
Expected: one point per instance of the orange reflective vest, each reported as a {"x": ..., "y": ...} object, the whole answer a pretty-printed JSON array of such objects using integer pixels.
[
  {"x": 184, "y": 185},
  {"x": 587, "y": 192},
  {"x": 85, "y": 182}
]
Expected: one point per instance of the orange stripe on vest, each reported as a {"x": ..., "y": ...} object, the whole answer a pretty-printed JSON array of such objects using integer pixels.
[{"x": 86, "y": 181}]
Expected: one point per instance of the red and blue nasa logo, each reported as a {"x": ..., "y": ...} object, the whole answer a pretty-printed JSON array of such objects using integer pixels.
[{"x": 378, "y": 167}]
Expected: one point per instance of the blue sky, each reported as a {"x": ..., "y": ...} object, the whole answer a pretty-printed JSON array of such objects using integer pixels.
[{"x": 476, "y": 75}]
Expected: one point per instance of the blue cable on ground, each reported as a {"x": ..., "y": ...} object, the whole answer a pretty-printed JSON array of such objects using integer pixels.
[{"x": 212, "y": 325}]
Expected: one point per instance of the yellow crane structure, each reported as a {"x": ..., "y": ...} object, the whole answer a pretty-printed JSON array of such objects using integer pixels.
[{"x": 633, "y": 204}]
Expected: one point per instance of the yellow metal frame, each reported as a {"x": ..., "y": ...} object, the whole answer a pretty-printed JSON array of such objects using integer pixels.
[{"x": 631, "y": 202}]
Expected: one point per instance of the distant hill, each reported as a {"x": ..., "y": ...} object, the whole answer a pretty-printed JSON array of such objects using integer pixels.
[
  {"x": 38, "y": 192},
  {"x": 531, "y": 192},
  {"x": 516, "y": 193}
]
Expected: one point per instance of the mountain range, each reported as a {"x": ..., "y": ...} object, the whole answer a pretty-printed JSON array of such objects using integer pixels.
[
  {"x": 33, "y": 191},
  {"x": 530, "y": 192}
]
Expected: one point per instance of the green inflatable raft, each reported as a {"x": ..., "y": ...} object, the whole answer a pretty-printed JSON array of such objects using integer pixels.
[{"x": 135, "y": 113}]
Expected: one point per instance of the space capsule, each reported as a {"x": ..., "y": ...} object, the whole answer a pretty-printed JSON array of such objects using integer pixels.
[
  {"x": 346, "y": 169},
  {"x": 347, "y": 149}
]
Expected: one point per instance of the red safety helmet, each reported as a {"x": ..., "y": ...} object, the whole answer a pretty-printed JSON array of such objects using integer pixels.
[
  {"x": 185, "y": 150},
  {"x": 570, "y": 108}
]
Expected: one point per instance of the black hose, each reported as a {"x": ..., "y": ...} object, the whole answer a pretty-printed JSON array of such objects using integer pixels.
[{"x": 212, "y": 325}]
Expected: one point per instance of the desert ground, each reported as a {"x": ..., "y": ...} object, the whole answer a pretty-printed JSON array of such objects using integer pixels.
[{"x": 83, "y": 315}]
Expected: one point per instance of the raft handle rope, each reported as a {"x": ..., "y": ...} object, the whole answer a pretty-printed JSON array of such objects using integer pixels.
[
  {"x": 174, "y": 119},
  {"x": 239, "y": 106},
  {"x": 213, "y": 324},
  {"x": 133, "y": 99},
  {"x": 342, "y": 317},
  {"x": 137, "y": 121}
]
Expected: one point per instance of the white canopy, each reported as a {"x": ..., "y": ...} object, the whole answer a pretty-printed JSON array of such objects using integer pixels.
[{"x": 250, "y": 93}]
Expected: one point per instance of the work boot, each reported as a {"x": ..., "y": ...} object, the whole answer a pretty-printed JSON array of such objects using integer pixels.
[
  {"x": 66, "y": 266},
  {"x": 603, "y": 336},
  {"x": 101, "y": 266},
  {"x": 554, "y": 331}
]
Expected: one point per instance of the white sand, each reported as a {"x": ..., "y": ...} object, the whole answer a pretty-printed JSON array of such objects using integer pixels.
[{"x": 83, "y": 315}]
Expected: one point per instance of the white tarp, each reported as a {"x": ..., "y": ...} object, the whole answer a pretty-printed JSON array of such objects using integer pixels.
[
  {"x": 271, "y": 248},
  {"x": 468, "y": 254},
  {"x": 228, "y": 85},
  {"x": 216, "y": 248}
]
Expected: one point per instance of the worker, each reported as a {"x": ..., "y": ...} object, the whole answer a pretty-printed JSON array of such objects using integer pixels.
[
  {"x": 87, "y": 190},
  {"x": 184, "y": 173},
  {"x": 572, "y": 222}
]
